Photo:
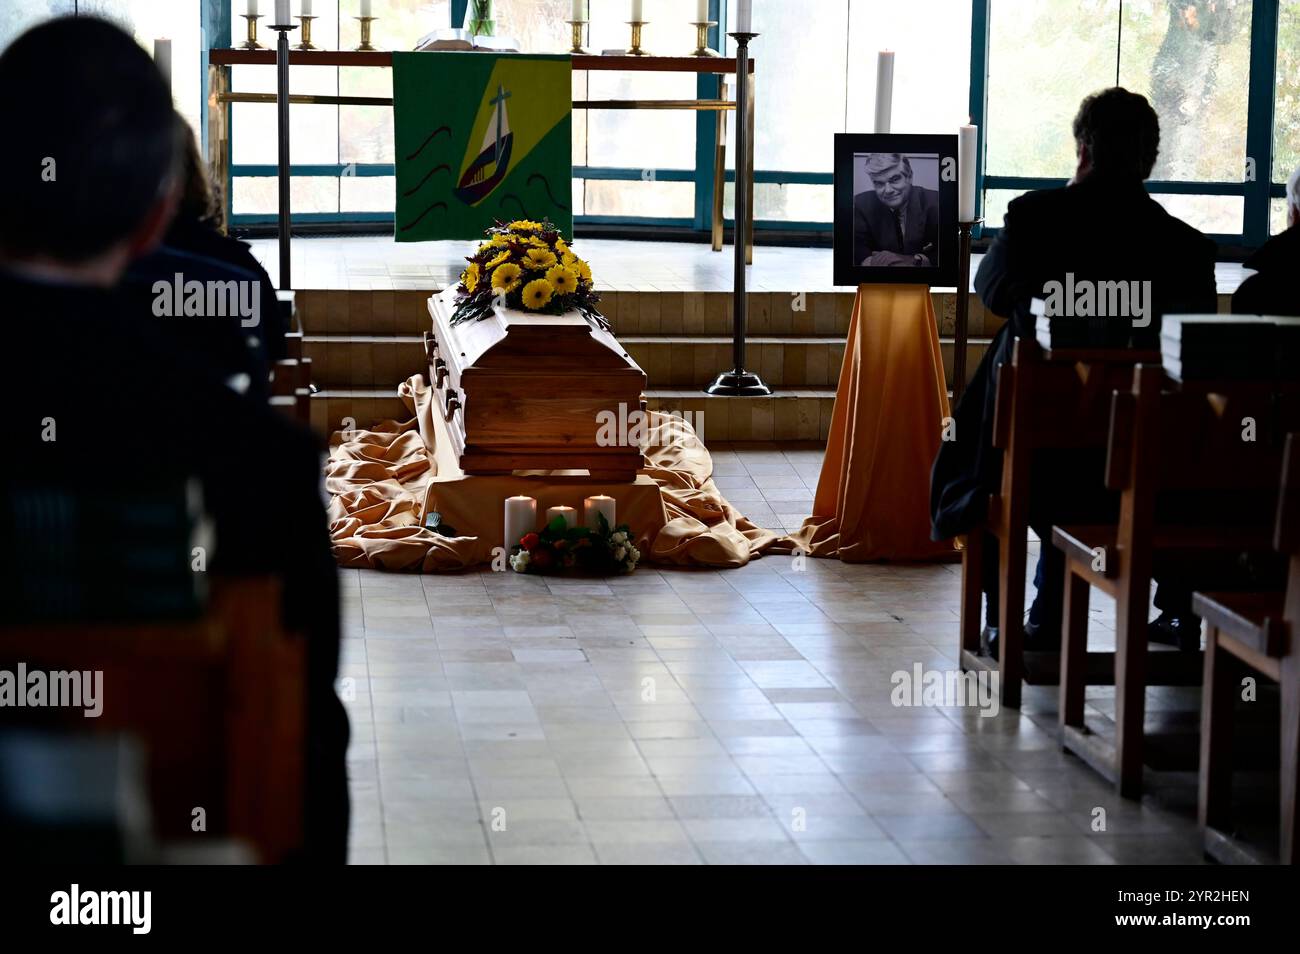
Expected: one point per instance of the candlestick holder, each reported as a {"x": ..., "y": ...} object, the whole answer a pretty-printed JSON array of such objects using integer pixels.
[
  {"x": 579, "y": 26},
  {"x": 283, "y": 161},
  {"x": 251, "y": 43},
  {"x": 961, "y": 332},
  {"x": 365, "y": 46},
  {"x": 636, "y": 26},
  {"x": 306, "y": 32},
  {"x": 702, "y": 39}
]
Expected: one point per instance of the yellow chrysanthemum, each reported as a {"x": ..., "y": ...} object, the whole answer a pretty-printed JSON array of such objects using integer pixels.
[
  {"x": 497, "y": 261},
  {"x": 498, "y": 241},
  {"x": 524, "y": 225},
  {"x": 540, "y": 259},
  {"x": 470, "y": 277},
  {"x": 564, "y": 280},
  {"x": 506, "y": 277},
  {"x": 538, "y": 293}
]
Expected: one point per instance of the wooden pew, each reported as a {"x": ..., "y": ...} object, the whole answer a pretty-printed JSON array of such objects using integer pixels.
[
  {"x": 1166, "y": 443},
  {"x": 1253, "y": 632},
  {"x": 218, "y": 702},
  {"x": 1046, "y": 400}
]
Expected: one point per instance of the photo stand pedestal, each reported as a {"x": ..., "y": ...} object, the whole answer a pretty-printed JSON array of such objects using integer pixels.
[{"x": 873, "y": 497}]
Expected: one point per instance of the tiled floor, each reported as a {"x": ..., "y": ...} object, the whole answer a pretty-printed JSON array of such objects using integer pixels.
[
  {"x": 678, "y": 716},
  {"x": 377, "y": 262}
]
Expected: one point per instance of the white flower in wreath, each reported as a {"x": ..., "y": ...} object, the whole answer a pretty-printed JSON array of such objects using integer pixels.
[
  {"x": 519, "y": 561},
  {"x": 619, "y": 538},
  {"x": 620, "y": 553}
]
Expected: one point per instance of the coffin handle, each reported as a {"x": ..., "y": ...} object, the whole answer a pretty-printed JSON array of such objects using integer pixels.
[
  {"x": 452, "y": 406},
  {"x": 439, "y": 372}
]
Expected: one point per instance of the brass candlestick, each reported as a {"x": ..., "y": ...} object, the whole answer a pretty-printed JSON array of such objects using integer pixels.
[
  {"x": 365, "y": 46},
  {"x": 961, "y": 330},
  {"x": 636, "y": 38},
  {"x": 251, "y": 43},
  {"x": 306, "y": 33},
  {"x": 578, "y": 27},
  {"x": 702, "y": 39}
]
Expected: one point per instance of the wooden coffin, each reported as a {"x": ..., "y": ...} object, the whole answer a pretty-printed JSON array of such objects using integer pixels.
[{"x": 531, "y": 392}]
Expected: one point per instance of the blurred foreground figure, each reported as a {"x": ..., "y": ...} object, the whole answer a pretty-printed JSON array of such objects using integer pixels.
[
  {"x": 1275, "y": 290},
  {"x": 93, "y": 395}
]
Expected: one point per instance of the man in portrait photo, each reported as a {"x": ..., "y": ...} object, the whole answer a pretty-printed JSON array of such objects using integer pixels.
[{"x": 897, "y": 222}]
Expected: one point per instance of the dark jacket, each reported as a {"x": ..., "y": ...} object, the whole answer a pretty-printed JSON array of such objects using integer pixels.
[
  {"x": 1275, "y": 290},
  {"x": 1099, "y": 230},
  {"x": 874, "y": 225}
]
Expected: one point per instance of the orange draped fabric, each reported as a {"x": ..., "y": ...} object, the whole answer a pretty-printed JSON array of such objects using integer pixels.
[
  {"x": 872, "y": 500},
  {"x": 379, "y": 481}
]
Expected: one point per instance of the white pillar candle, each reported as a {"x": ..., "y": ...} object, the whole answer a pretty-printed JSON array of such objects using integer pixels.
[
  {"x": 306, "y": 8},
  {"x": 251, "y": 10},
  {"x": 744, "y": 17},
  {"x": 884, "y": 90},
  {"x": 702, "y": 11},
  {"x": 968, "y": 138},
  {"x": 365, "y": 8},
  {"x": 282, "y": 16},
  {"x": 521, "y": 518},
  {"x": 568, "y": 513},
  {"x": 638, "y": 14},
  {"x": 162, "y": 57},
  {"x": 593, "y": 507},
  {"x": 579, "y": 10}
]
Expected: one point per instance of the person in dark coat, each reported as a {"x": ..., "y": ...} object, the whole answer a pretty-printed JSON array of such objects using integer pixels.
[
  {"x": 1102, "y": 226},
  {"x": 88, "y": 183},
  {"x": 1273, "y": 289}
]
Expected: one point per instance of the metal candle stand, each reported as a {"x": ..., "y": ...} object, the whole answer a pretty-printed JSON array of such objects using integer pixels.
[
  {"x": 962, "y": 331},
  {"x": 282, "y": 130},
  {"x": 739, "y": 382}
]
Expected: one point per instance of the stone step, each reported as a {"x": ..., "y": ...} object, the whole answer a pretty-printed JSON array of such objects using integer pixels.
[{"x": 364, "y": 361}]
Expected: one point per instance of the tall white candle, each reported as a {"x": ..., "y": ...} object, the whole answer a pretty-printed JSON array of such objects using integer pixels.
[
  {"x": 521, "y": 518},
  {"x": 365, "y": 8},
  {"x": 884, "y": 90},
  {"x": 282, "y": 15},
  {"x": 744, "y": 17},
  {"x": 568, "y": 513},
  {"x": 638, "y": 14},
  {"x": 162, "y": 57},
  {"x": 593, "y": 507},
  {"x": 702, "y": 11},
  {"x": 306, "y": 8},
  {"x": 968, "y": 138},
  {"x": 252, "y": 8},
  {"x": 579, "y": 10}
]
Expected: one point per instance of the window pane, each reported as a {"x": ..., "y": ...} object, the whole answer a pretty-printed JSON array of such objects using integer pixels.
[
  {"x": 1044, "y": 57},
  {"x": 786, "y": 202},
  {"x": 649, "y": 199},
  {"x": 366, "y": 193},
  {"x": 16, "y": 18},
  {"x": 1192, "y": 60},
  {"x": 1218, "y": 214},
  {"x": 1277, "y": 216},
  {"x": 995, "y": 205},
  {"x": 260, "y": 194},
  {"x": 1286, "y": 129}
]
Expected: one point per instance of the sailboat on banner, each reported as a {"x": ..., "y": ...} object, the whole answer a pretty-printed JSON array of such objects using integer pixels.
[{"x": 490, "y": 166}]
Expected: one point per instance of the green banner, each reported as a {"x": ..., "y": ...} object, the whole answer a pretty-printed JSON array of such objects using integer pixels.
[{"x": 481, "y": 137}]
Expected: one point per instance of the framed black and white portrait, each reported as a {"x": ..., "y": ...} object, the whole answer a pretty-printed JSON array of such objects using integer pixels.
[{"x": 895, "y": 209}]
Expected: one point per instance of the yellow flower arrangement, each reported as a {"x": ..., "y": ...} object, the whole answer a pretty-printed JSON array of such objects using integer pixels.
[
  {"x": 506, "y": 277},
  {"x": 563, "y": 280},
  {"x": 538, "y": 294},
  {"x": 584, "y": 272},
  {"x": 539, "y": 259},
  {"x": 525, "y": 225},
  {"x": 471, "y": 277},
  {"x": 498, "y": 260}
]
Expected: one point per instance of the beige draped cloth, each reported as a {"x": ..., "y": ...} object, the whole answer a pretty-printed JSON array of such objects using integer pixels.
[
  {"x": 873, "y": 495},
  {"x": 381, "y": 481}
]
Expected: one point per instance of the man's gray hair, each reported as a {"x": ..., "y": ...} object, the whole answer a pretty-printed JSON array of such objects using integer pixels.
[
  {"x": 878, "y": 162},
  {"x": 1293, "y": 190}
]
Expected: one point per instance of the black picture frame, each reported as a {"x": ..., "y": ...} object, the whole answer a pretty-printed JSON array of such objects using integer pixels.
[{"x": 850, "y": 152}]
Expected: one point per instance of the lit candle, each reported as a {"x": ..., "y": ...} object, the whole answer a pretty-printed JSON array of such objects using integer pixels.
[
  {"x": 306, "y": 8},
  {"x": 521, "y": 518},
  {"x": 568, "y": 513},
  {"x": 744, "y": 17},
  {"x": 252, "y": 8},
  {"x": 365, "y": 8},
  {"x": 884, "y": 90},
  {"x": 968, "y": 138},
  {"x": 593, "y": 507},
  {"x": 282, "y": 17},
  {"x": 579, "y": 10},
  {"x": 702, "y": 11},
  {"x": 162, "y": 57}
]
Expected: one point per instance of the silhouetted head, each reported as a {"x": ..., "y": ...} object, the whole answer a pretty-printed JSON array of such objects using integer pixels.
[
  {"x": 1117, "y": 134},
  {"x": 87, "y": 171}
]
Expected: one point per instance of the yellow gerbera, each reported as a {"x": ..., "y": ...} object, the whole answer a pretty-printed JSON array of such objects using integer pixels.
[
  {"x": 539, "y": 259},
  {"x": 497, "y": 261},
  {"x": 470, "y": 277},
  {"x": 506, "y": 277},
  {"x": 537, "y": 242},
  {"x": 498, "y": 241},
  {"x": 583, "y": 270},
  {"x": 524, "y": 225},
  {"x": 562, "y": 247},
  {"x": 538, "y": 294},
  {"x": 564, "y": 280}
]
